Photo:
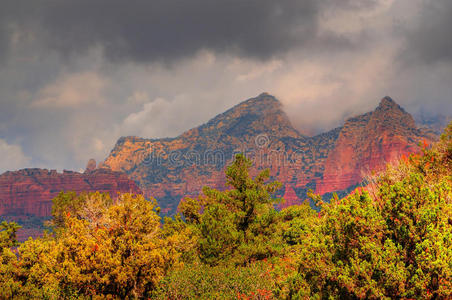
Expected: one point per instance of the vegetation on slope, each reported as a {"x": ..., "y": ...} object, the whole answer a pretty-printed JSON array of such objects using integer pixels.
[{"x": 391, "y": 239}]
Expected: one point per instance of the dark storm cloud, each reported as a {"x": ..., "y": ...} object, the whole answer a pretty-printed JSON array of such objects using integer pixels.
[
  {"x": 167, "y": 29},
  {"x": 429, "y": 39},
  {"x": 65, "y": 65},
  {"x": 4, "y": 41},
  {"x": 5, "y": 35}
]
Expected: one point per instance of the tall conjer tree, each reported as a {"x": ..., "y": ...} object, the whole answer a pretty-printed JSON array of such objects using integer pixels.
[{"x": 232, "y": 224}]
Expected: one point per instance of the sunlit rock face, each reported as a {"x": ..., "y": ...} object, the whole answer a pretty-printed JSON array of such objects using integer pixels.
[
  {"x": 367, "y": 143},
  {"x": 173, "y": 168},
  {"x": 29, "y": 192}
]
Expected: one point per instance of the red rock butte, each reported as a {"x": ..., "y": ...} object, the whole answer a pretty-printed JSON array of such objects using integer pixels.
[
  {"x": 333, "y": 161},
  {"x": 367, "y": 143},
  {"x": 30, "y": 191}
]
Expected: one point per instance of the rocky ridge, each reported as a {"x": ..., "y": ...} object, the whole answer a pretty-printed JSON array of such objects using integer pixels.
[
  {"x": 29, "y": 192},
  {"x": 172, "y": 168},
  {"x": 367, "y": 143}
]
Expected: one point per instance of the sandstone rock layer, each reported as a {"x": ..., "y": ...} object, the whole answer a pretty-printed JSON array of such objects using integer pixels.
[
  {"x": 172, "y": 168},
  {"x": 367, "y": 143},
  {"x": 29, "y": 192}
]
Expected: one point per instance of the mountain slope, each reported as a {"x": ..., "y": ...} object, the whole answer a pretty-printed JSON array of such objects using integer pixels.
[
  {"x": 367, "y": 143},
  {"x": 170, "y": 169},
  {"x": 30, "y": 191}
]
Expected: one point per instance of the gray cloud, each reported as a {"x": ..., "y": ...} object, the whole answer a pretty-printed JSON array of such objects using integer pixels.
[
  {"x": 76, "y": 75},
  {"x": 4, "y": 42},
  {"x": 164, "y": 30},
  {"x": 12, "y": 156},
  {"x": 428, "y": 39}
]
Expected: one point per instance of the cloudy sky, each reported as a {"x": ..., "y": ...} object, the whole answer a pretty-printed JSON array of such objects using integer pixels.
[{"x": 75, "y": 75}]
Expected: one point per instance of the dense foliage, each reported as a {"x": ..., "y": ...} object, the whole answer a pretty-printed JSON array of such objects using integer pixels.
[
  {"x": 100, "y": 247},
  {"x": 234, "y": 225},
  {"x": 393, "y": 240},
  {"x": 390, "y": 239}
]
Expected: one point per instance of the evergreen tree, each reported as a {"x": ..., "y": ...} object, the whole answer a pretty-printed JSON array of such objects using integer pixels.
[{"x": 230, "y": 222}]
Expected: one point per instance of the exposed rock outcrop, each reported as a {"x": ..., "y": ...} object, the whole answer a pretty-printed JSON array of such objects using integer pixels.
[
  {"x": 29, "y": 192},
  {"x": 172, "y": 168},
  {"x": 367, "y": 143}
]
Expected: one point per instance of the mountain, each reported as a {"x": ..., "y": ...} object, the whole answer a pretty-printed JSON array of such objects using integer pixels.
[
  {"x": 26, "y": 195},
  {"x": 367, "y": 142},
  {"x": 172, "y": 168}
]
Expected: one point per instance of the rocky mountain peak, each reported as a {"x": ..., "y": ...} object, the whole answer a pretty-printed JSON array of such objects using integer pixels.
[
  {"x": 261, "y": 114},
  {"x": 389, "y": 114},
  {"x": 386, "y": 103},
  {"x": 329, "y": 162},
  {"x": 368, "y": 142},
  {"x": 261, "y": 105}
]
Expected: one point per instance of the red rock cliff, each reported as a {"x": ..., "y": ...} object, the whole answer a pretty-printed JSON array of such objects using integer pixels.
[
  {"x": 30, "y": 191},
  {"x": 173, "y": 168},
  {"x": 367, "y": 143}
]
